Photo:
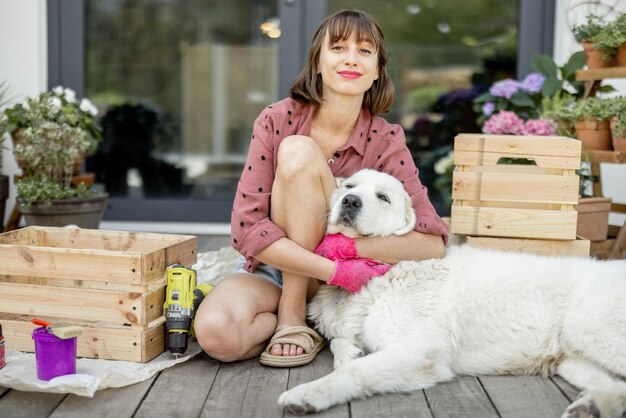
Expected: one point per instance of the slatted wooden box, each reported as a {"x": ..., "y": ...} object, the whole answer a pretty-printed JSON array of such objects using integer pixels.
[
  {"x": 512, "y": 200},
  {"x": 111, "y": 283}
]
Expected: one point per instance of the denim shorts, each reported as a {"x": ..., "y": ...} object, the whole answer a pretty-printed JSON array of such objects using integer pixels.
[{"x": 263, "y": 270}]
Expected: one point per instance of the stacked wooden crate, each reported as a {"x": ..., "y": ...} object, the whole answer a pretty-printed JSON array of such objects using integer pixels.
[
  {"x": 524, "y": 206},
  {"x": 110, "y": 283}
]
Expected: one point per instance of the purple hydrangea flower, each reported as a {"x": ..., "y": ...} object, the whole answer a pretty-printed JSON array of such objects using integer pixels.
[
  {"x": 533, "y": 82},
  {"x": 488, "y": 108},
  {"x": 505, "y": 88}
]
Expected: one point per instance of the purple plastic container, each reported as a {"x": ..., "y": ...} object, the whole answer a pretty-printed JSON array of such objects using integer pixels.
[{"x": 55, "y": 356}]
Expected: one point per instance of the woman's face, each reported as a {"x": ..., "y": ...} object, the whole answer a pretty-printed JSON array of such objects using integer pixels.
[{"x": 348, "y": 67}]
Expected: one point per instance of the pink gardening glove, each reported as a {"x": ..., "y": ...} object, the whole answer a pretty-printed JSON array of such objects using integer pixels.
[
  {"x": 353, "y": 274},
  {"x": 337, "y": 247}
]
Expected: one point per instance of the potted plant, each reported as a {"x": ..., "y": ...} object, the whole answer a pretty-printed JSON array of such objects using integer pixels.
[
  {"x": 584, "y": 34},
  {"x": 618, "y": 123},
  {"x": 592, "y": 117},
  {"x": 559, "y": 108},
  {"x": 51, "y": 133},
  {"x": 611, "y": 41}
]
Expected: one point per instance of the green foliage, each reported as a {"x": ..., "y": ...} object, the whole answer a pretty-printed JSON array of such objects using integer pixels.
[
  {"x": 595, "y": 107},
  {"x": 560, "y": 80},
  {"x": 610, "y": 37},
  {"x": 559, "y": 108},
  {"x": 618, "y": 108},
  {"x": 42, "y": 188},
  {"x": 586, "y": 31},
  {"x": 422, "y": 97}
]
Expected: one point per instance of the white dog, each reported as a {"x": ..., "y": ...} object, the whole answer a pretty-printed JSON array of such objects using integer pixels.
[{"x": 474, "y": 312}]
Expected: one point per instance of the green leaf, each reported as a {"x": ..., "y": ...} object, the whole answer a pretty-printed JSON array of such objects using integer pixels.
[
  {"x": 522, "y": 100},
  {"x": 545, "y": 65},
  {"x": 485, "y": 97},
  {"x": 575, "y": 62},
  {"x": 550, "y": 87}
]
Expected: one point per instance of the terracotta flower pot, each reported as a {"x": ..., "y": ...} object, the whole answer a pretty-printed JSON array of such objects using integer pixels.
[
  {"x": 593, "y": 217},
  {"x": 619, "y": 141},
  {"x": 593, "y": 57},
  {"x": 620, "y": 57},
  {"x": 594, "y": 134}
]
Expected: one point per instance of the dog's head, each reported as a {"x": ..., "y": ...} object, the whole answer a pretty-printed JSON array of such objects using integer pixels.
[{"x": 370, "y": 203}]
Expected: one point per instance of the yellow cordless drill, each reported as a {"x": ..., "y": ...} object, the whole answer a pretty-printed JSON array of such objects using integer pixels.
[{"x": 182, "y": 299}]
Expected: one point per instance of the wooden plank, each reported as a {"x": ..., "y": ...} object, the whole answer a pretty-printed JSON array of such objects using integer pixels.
[
  {"x": 263, "y": 389},
  {"x": 82, "y": 304},
  {"x": 515, "y": 187},
  {"x": 85, "y": 284},
  {"x": 461, "y": 397},
  {"x": 229, "y": 389},
  {"x": 112, "y": 402},
  {"x": 122, "y": 343},
  {"x": 520, "y": 146},
  {"x": 515, "y": 223},
  {"x": 576, "y": 248},
  {"x": 610, "y": 157},
  {"x": 180, "y": 391},
  {"x": 570, "y": 391},
  {"x": 600, "y": 73},
  {"x": 319, "y": 367},
  {"x": 409, "y": 405},
  {"x": 524, "y": 396},
  {"x": 19, "y": 236},
  {"x": 184, "y": 252},
  {"x": 3, "y": 390},
  {"x": 16, "y": 403},
  {"x": 478, "y": 158},
  {"x": 96, "y": 265}
]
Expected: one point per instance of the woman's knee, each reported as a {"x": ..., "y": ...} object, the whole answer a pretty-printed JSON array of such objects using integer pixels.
[
  {"x": 297, "y": 155},
  {"x": 218, "y": 336}
]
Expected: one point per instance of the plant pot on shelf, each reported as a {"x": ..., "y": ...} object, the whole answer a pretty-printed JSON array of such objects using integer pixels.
[
  {"x": 593, "y": 218},
  {"x": 593, "y": 57},
  {"x": 595, "y": 134},
  {"x": 619, "y": 141},
  {"x": 4, "y": 195},
  {"x": 83, "y": 212}
]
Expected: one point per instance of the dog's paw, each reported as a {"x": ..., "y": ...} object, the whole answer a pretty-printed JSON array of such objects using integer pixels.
[
  {"x": 305, "y": 398},
  {"x": 596, "y": 404}
]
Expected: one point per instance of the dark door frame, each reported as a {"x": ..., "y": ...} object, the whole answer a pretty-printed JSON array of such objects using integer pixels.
[{"x": 299, "y": 18}]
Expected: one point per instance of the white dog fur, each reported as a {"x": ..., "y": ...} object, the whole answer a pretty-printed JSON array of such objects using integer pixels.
[{"x": 474, "y": 312}]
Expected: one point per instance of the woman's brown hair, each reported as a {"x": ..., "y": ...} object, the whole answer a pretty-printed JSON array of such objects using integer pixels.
[{"x": 339, "y": 26}]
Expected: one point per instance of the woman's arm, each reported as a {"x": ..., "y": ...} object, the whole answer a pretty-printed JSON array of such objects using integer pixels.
[
  {"x": 392, "y": 249},
  {"x": 286, "y": 255}
]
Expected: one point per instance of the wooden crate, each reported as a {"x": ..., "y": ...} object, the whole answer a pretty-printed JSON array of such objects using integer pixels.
[
  {"x": 111, "y": 283},
  {"x": 579, "y": 247},
  {"x": 511, "y": 200}
]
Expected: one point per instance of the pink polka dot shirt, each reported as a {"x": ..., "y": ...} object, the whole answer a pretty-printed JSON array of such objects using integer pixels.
[{"x": 374, "y": 143}]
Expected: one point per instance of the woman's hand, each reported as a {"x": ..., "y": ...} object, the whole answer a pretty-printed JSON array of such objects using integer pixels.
[
  {"x": 353, "y": 274},
  {"x": 337, "y": 247}
]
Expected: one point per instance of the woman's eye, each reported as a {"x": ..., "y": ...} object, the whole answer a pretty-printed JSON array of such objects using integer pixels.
[
  {"x": 365, "y": 51},
  {"x": 336, "y": 48},
  {"x": 383, "y": 197}
]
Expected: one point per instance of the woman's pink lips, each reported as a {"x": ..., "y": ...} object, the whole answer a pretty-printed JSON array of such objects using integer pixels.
[{"x": 350, "y": 74}]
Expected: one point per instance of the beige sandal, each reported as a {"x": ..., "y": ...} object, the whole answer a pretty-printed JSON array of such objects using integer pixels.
[{"x": 282, "y": 336}]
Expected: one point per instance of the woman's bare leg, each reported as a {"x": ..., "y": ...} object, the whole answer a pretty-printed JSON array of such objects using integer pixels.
[
  {"x": 237, "y": 317},
  {"x": 299, "y": 206}
]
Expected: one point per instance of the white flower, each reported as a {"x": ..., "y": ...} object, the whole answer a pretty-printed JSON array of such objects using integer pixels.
[
  {"x": 55, "y": 104},
  {"x": 70, "y": 95},
  {"x": 87, "y": 106},
  {"x": 58, "y": 90},
  {"x": 442, "y": 165}
]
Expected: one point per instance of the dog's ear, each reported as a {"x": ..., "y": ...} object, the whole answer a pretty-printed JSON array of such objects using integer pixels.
[
  {"x": 338, "y": 181},
  {"x": 409, "y": 217}
]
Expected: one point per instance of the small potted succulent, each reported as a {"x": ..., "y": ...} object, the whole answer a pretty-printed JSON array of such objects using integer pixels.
[
  {"x": 585, "y": 34},
  {"x": 592, "y": 118},
  {"x": 52, "y": 133},
  {"x": 611, "y": 41}
]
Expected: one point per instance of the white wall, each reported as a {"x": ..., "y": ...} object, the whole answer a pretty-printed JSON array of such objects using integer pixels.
[
  {"x": 568, "y": 12},
  {"x": 23, "y": 60}
]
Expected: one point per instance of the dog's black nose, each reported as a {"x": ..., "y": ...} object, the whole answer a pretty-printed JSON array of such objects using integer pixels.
[{"x": 351, "y": 201}]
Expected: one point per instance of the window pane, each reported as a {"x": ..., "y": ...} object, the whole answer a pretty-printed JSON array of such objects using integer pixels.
[
  {"x": 443, "y": 54},
  {"x": 179, "y": 85}
]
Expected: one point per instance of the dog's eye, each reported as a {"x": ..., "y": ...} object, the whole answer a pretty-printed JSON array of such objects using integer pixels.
[
  {"x": 383, "y": 197},
  {"x": 348, "y": 186}
]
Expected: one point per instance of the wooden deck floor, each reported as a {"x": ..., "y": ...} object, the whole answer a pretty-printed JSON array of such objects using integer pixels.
[{"x": 204, "y": 387}]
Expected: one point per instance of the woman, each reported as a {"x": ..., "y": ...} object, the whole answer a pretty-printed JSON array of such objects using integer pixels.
[{"x": 326, "y": 129}]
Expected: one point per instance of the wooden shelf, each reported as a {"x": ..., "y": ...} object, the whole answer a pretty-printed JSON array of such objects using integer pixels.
[
  {"x": 611, "y": 157},
  {"x": 597, "y": 74}
]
